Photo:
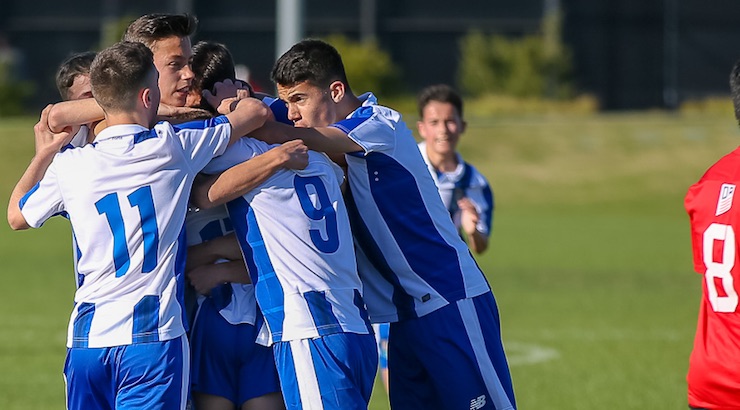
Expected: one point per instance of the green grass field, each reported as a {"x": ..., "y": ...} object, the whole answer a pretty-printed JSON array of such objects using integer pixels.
[{"x": 589, "y": 260}]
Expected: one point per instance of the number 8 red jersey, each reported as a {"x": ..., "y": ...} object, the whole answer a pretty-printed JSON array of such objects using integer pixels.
[{"x": 714, "y": 370}]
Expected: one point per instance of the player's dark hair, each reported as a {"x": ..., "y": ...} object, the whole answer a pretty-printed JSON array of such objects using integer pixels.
[
  {"x": 312, "y": 61},
  {"x": 735, "y": 89},
  {"x": 150, "y": 28},
  {"x": 212, "y": 62},
  {"x": 73, "y": 66},
  {"x": 118, "y": 73},
  {"x": 440, "y": 93}
]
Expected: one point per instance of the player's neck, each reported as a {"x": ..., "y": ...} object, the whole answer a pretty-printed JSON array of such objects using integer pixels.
[
  {"x": 348, "y": 105},
  {"x": 124, "y": 118},
  {"x": 442, "y": 162}
]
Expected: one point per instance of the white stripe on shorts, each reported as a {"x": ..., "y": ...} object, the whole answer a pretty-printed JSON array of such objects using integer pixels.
[
  {"x": 308, "y": 383},
  {"x": 185, "y": 389},
  {"x": 475, "y": 334}
]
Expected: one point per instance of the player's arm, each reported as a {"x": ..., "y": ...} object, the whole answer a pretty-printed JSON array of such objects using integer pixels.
[
  {"x": 324, "y": 139},
  {"x": 206, "y": 253},
  {"x": 76, "y": 112},
  {"x": 469, "y": 219},
  {"x": 48, "y": 144},
  {"x": 205, "y": 278},
  {"x": 212, "y": 190}
]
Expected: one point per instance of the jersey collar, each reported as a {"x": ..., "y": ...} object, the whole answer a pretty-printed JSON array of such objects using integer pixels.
[{"x": 121, "y": 130}]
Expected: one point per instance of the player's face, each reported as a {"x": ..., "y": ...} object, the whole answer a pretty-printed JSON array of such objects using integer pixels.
[
  {"x": 172, "y": 59},
  {"x": 440, "y": 127},
  {"x": 80, "y": 88},
  {"x": 308, "y": 105}
]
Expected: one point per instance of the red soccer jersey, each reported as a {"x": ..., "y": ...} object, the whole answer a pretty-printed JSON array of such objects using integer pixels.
[{"x": 714, "y": 366}]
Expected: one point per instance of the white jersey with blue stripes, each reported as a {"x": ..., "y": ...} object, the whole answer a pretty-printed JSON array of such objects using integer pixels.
[
  {"x": 234, "y": 301},
  {"x": 411, "y": 258},
  {"x": 126, "y": 197},
  {"x": 464, "y": 182},
  {"x": 297, "y": 244}
]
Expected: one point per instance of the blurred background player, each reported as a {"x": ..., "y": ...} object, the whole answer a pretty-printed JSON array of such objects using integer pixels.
[
  {"x": 126, "y": 196},
  {"x": 441, "y": 309},
  {"x": 714, "y": 377},
  {"x": 464, "y": 191}
]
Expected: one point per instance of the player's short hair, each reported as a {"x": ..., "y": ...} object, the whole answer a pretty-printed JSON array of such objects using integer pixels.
[
  {"x": 150, "y": 28},
  {"x": 118, "y": 73},
  {"x": 735, "y": 89},
  {"x": 73, "y": 66},
  {"x": 313, "y": 61},
  {"x": 440, "y": 93}
]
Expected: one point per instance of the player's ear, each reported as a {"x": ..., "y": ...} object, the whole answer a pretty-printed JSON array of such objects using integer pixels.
[
  {"x": 336, "y": 91},
  {"x": 463, "y": 126},
  {"x": 145, "y": 96}
]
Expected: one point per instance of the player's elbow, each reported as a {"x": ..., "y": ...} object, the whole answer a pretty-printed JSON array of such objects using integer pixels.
[
  {"x": 55, "y": 121},
  {"x": 16, "y": 221}
]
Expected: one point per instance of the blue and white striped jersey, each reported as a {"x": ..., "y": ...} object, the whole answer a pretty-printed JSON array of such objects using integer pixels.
[
  {"x": 297, "y": 244},
  {"x": 126, "y": 197},
  {"x": 234, "y": 301},
  {"x": 411, "y": 258},
  {"x": 464, "y": 182}
]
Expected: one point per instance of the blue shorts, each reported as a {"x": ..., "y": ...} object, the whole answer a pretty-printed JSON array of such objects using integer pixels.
[
  {"x": 151, "y": 375},
  {"x": 226, "y": 360},
  {"x": 450, "y": 359},
  {"x": 334, "y": 372}
]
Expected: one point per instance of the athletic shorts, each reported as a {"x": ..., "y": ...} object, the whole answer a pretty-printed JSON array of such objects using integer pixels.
[
  {"x": 333, "y": 372},
  {"x": 451, "y": 358},
  {"x": 152, "y": 375},
  {"x": 226, "y": 360}
]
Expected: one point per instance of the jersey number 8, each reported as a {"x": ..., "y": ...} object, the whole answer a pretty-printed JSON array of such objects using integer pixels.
[{"x": 720, "y": 270}]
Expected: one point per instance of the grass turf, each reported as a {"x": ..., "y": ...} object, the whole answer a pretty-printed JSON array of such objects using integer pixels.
[{"x": 589, "y": 260}]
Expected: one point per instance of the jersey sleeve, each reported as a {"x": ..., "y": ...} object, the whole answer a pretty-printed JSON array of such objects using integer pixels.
[
  {"x": 481, "y": 195},
  {"x": 204, "y": 139},
  {"x": 43, "y": 201},
  {"x": 371, "y": 131},
  {"x": 696, "y": 233},
  {"x": 243, "y": 150},
  {"x": 278, "y": 108}
]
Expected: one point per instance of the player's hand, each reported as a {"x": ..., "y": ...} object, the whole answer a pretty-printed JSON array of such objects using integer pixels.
[
  {"x": 469, "y": 217},
  {"x": 47, "y": 141},
  {"x": 225, "y": 95},
  {"x": 204, "y": 278},
  {"x": 295, "y": 154}
]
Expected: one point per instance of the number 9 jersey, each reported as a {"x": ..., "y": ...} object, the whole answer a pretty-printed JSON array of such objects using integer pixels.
[{"x": 714, "y": 373}]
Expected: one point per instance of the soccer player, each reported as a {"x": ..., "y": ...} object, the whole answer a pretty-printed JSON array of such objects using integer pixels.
[
  {"x": 126, "y": 197},
  {"x": 73, "y": 83},
  {"x": 445, "y": 347},
  {"x": 464, "y": 191},
  {"x": 296, "y": 240},
  {"x": 714, "y": 377},
  {"x": 229, "y": 370}
]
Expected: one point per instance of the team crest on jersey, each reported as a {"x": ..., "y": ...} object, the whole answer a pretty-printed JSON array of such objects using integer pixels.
[{"x": 724, "y": 203}]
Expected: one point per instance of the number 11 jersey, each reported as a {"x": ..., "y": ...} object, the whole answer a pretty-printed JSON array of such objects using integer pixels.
[{"x": 126, "y": 197}]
